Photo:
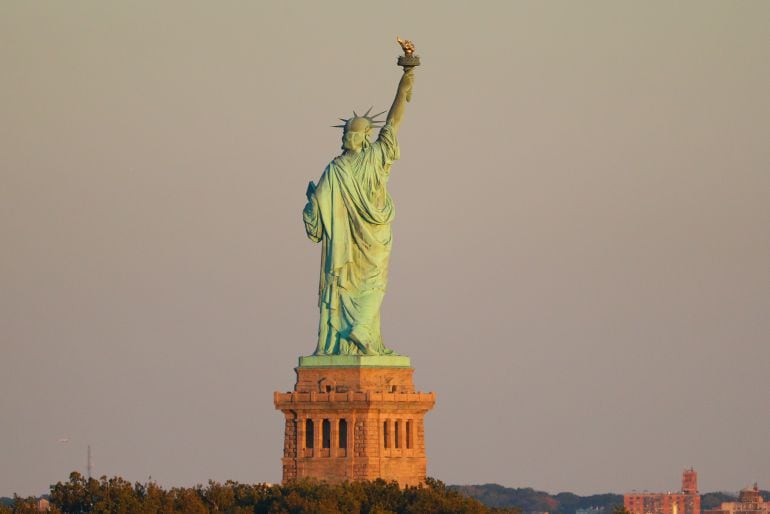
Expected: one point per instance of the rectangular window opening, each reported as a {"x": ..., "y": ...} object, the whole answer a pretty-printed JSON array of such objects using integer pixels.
[
  {"x": 409, "y": 433},
  {"x": 385, "y": 442},
  {"x": 309, "y": 436},
  {"x": 343, "y": 434},
  {"x": 396, "y": 433},
  {"x": 326, "y": 434}
]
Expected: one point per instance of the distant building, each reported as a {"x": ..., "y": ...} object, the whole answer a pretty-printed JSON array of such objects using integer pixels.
[
  {"x": 43, "y": 505},
  {"x": 749, "y": 502},
  {"x": 590, "y": 510},
  {"x": 686, "y": 501}
]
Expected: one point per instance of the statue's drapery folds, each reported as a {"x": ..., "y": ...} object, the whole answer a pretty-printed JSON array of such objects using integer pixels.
[{"x": 350, "y": 213}]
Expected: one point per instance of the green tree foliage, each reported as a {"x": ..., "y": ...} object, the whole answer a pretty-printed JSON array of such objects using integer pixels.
[
  {"x": 117, "y": 496},
  {"x": 19, "y": 505},
  {"x": 570, "y": 502},
  {"x": 715, "y": 500},
  {"x": 526, "y": 499},
  {"x": 530, "y": 500}
]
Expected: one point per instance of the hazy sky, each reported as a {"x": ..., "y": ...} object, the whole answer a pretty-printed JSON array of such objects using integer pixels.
[{"x": 580, "y": 267}]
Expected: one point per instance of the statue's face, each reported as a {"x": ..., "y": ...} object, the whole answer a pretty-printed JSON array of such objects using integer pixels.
[{"x": 355, "y": 134}]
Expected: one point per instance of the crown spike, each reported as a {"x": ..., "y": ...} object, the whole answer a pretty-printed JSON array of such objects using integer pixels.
[
  {"x": 379, "y": 114},
  {"x": 366, "y": 114}
]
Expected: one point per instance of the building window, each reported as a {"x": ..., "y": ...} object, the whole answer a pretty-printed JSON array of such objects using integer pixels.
[
  {"x": 309, "y": 433},
  {"x": 343, "y": 434},
  {"x": 385, "y": 435},
  {"x": 326, "y": 434},
  {"x": 409, "y": 433},
  {"x": 397, "y": 434}
]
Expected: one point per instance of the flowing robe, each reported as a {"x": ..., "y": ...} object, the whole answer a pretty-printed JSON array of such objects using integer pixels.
[{"x": 350, "y": 212}]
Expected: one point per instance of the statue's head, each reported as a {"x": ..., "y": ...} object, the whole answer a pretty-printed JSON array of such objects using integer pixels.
[{"x": 357, "y": 130}]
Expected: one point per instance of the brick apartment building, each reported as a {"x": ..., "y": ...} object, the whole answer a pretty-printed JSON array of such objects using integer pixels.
[
  {"x": 686, "y": 501},
  {"x": 749, "y": 502}
]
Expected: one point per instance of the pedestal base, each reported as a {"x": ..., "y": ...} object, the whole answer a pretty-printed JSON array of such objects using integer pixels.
[{"x": 354, "y": 423}]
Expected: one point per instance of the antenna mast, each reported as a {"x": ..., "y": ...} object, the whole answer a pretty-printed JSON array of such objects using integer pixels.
[{"x": 90, "y": 463}]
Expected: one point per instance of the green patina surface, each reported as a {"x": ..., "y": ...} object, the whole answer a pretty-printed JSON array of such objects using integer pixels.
[
  {"x": 379, "y": 361},
  {"x": 350, "y": 213}
]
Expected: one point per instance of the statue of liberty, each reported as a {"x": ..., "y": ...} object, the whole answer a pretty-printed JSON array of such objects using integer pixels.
[{"x": 350, "y": 212}]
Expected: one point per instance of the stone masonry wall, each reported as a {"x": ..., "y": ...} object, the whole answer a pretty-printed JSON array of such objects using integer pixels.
[{"x": 373, "y": 402}]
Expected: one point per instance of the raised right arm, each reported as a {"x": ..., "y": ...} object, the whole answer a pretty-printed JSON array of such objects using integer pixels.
[{"x": 403, "y": 95}]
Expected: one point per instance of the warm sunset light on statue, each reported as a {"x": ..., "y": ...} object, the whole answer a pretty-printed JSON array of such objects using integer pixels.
[{"x": 354, "y": 413}]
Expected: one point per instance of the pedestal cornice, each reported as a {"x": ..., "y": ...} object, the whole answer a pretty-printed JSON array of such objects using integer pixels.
[{"x": 366, "y": 361}]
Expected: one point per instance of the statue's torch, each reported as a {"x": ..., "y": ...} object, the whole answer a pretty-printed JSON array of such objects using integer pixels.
[{"x": 409, "y": 59}]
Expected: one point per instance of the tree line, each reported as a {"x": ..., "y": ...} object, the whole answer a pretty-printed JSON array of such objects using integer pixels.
[
  {"x": 531, "y": 500},
  {"x": 118, "y": 496}
]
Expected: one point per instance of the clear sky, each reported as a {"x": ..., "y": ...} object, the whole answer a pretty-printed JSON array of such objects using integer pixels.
[{"x": 580, "y": 263}]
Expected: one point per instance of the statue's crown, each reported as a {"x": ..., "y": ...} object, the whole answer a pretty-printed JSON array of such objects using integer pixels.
[{"x": 373, "y": 121}]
